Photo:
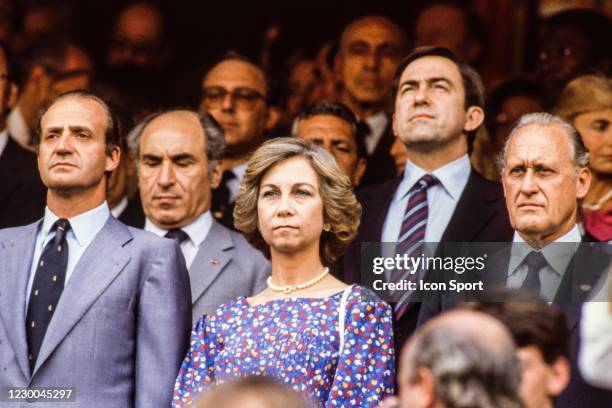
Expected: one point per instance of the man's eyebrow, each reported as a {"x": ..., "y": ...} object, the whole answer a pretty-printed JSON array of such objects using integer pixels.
[
  {"x": 150, "y": 156},
  {"x": 182, "y": 156},
  {"x": 429, "y": 81}
]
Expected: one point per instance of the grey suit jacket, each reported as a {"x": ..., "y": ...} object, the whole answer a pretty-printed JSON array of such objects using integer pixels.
[
  {"x": 225, "y": 267},
  {"x": 121, "y": 327}
]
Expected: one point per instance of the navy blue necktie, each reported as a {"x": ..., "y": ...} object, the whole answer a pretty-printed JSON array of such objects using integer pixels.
[
  {"x": 177, "y": 234},
  {"x": 47, "y": 288},
  {"x": 535, "y": 261}
]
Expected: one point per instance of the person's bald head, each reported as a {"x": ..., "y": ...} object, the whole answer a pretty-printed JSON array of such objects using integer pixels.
[
  {"x": 370, "y": 49},
  {"x": 177, "y": 153},
  {"x": 460, "y": 356}
]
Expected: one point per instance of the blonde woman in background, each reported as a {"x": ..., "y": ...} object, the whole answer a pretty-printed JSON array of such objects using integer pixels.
[{"x": 586, "y": 102}]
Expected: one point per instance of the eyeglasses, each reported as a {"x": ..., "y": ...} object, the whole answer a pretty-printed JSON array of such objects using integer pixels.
[{"x": 241, "y": 97}]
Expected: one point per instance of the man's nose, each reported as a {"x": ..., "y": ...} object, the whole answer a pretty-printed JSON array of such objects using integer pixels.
[
  {"x": 227, "y": 104},
  {"x": 372, "y": 61},
  {"x": 166, "y": 174},
  {"x": 64, "y": 144},
  {"x": 529, "y": 184}
]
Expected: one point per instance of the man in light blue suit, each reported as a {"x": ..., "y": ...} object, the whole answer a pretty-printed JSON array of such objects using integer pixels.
[
  {"x": 87, "y": 303},
  {"x": 177, "y": 155}
]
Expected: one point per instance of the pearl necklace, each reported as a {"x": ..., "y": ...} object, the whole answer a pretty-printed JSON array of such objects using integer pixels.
[{"x": 287, "y": 289}]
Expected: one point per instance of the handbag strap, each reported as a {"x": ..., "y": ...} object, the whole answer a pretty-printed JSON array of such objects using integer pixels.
[{"x": 341, "y": 317}]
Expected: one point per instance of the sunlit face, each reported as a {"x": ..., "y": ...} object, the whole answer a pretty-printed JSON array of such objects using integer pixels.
[
  {"x": 290, "y": 207},
  {"x": 369, "y": 53},
  {"x": 596, "y": 131},
  {"x": 541, "y": 183},
  {"x": 243, "y": 115},
  {"x": 173, "y": 178},
  {"x": 539, "y": 384},
  {"x": 430, "y": 104},
  {"x": 72, "y": 151},
  {"x": 337, "y": 137}
]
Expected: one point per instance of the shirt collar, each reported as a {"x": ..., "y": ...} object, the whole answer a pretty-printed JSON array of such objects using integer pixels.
[
  {"x": 377, "y": 122},
  {"x": 197, "y": 231},
  {"x": 557, "y": 256},
  {"x": 239, "y": 171},
  {"x": 18, "y": 128},
  {"x": 84, "y": 226},
  {"x": 118, "y": 209},
  {"x": 452, "y": 176},
  {"x": 3, "y": 140}
]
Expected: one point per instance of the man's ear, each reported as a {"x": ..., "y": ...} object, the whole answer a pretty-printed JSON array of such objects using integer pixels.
[
  {"x": 427, "y": 385},
  {"x": 559, "y": 378},
  {"x": 362, "y": 164},
  {"x": 11, "y": 96},
  {"x": 273, "y": 117},
  {"x": 583, "y": 182},
  {"x": 474, "y": 116},
  {"x": 112, "y": 160},
  {"x": 217, "y": 174}
]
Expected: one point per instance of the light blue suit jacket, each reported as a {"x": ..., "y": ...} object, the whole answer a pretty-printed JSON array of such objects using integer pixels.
[{"x": 120, "y": 329}]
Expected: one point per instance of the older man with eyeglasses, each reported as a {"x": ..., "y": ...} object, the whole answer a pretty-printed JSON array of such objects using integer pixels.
[{"x": 235, "y": 92}]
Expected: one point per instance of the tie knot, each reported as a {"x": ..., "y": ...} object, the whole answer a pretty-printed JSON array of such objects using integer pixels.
[
  {"x": 61, "y": 226},
  {"x": 425, "y": 182},
  {"x": 177, "y": 234},
  {"x": 535, "y": 261}
]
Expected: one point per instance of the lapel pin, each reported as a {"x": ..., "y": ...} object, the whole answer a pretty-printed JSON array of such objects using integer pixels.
[
  {"x": 214, "y": 261},
  {"x": 585, "y": 288}
]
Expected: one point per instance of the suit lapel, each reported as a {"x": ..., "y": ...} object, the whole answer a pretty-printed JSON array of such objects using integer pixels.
[
  {"x": 15, "y": 272},
  {"x": 99, "y": 265},
  {"x": 378, "y": 199},
  {"x": 212, "y": 257},
  {"x": 474, "y": 210}
]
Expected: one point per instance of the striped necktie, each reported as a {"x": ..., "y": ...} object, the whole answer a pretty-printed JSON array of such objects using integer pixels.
[{"x": 412, "y": 233}]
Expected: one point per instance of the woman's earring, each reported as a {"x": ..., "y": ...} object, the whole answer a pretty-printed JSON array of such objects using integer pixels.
[{"x": 326, "y": 227}]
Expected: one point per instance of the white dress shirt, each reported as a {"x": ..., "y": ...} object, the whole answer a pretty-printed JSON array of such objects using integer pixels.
[
  {"x": 377, "y": 123},
  {"x": 197, "y": 232},
  {"x": 18, "y": 129},
  {"x": 3, "y": 140},
  {"x": 442, "y": 198},
  {"x": 119, "y": 208},
  {"x": 234, "y": 184},
  {"x": 83, "y": 229},
  {"x": 557, "y": 258}
]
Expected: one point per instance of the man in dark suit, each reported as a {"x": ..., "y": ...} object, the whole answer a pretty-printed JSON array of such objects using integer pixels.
[
  {"x": 440, "y": 197},
  {"x": 86, "y": 302},
  {"x": 369, "y": 50},
  {"x": 22, "y": 194},
  {"x": 545, "y": 173},
  {"x": 177, "y": 155}
]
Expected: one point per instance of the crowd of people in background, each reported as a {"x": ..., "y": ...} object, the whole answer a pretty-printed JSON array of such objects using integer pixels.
[{"x": 206, "y": 247}]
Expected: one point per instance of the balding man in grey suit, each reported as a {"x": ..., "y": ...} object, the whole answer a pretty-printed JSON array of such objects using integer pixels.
[
  {"x": 87, "y": 303},
  {"x": 177, "y": 155}
]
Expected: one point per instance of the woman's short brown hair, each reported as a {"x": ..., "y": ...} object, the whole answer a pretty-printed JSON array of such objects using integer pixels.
[
  {"x": 340, "y": 207},
  {"x": 584, "y": 94}
]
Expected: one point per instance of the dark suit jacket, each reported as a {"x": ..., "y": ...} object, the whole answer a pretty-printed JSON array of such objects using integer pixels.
[
  {"x": 133, "y": 215},
  {"x": 586, "y": 269},
  {"x": 480, "y": 215},
  {"x": 381, "y": 166},
  {"x": 22, "y": 194}
]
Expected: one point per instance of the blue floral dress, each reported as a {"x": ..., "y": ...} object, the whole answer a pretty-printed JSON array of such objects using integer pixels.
[{"x": 296, "y": 342}]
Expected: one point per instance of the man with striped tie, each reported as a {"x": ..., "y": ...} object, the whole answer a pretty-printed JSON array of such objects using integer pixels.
[{"x": 438, "y": 106}]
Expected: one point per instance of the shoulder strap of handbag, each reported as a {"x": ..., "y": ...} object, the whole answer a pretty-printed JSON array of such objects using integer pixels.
[{"x": 341, "y": 317}]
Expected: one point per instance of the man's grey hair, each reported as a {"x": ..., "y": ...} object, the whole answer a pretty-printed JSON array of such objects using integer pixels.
[
  {"x": 213, "y": 132},
  {"x": 581, "y": 153},
  {"x": 467, "y": 371}
]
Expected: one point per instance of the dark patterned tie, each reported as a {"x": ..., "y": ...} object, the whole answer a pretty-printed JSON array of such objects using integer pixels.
[
  {"x": 47, "y": 288},
  {"x": 412, "y": 233},
  {"x": 177, "y": 234},
  {"x": 535, "y": 261}
]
